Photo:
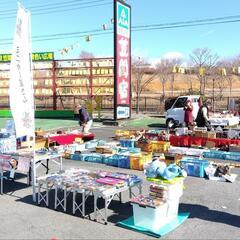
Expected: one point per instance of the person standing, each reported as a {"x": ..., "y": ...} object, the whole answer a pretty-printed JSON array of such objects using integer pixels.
[
  {"x": 85, "y": 121},
  {"x": 188, "y": 113},
  {"x": 202, "y": 119}
]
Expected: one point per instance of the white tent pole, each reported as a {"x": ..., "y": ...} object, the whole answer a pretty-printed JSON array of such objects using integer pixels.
[{"x": 33, "y": 162}]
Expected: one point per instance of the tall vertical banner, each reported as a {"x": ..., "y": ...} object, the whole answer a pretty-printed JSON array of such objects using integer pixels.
[
  {"x": 21, "y": 91},
  {"x": 122, "y": 58}
]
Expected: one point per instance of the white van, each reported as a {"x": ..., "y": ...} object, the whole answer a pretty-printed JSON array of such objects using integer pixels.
[{"x": 175, "y": 115}]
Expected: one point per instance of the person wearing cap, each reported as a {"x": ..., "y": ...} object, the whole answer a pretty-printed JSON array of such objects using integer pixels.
[
  {"x": 85, "y": 121},
  {"x": 202, "y": 119},
  {"x": 188, "y": 113}
]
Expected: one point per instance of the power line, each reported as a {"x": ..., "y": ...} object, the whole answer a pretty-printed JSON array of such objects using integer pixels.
[
  {"x": 148, "y": 27},
  {"x": 191, "y": 21},
  {"x": 50, "y": 6},
  {"x": 62, "y": 10},
  {"x": 98, "y": 32}
]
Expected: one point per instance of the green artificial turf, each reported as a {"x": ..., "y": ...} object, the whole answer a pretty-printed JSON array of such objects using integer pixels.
[
  {"x": 145, "y": 122},
  {"x": 48, "y": 124}
]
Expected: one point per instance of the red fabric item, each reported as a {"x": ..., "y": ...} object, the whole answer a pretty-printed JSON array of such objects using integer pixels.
[
  {"x": 184, "y": 141},
  {"x": 188, "y": 116},
  {"x": 196, "y": 141},
  {"x": 69, "y": 138},
  {"x": 174, "y": 141}
]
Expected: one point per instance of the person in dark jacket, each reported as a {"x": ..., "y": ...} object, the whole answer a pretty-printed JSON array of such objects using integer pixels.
[
  {"x": 85, "y": 121},
  {"x": 202, "y": 119}
]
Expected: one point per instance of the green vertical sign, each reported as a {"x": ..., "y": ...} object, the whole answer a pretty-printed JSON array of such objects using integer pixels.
[{"x": 123, "y": 16}]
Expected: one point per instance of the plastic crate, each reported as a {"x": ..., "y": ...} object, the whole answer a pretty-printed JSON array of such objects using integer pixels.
[
  {"x": 213, "y": 154},
  {"x": 146, "y": 157},
  {"x": 194, "y": 167},
  {"x": 135, "y": 150},
  {"x": 129, "y": 143},
  {"x": 76, "y": 156},
  {"x": 160, "y": 146},
  {"x": 233, "y": 156},
  {"x": 91, "y": 144},
  {"x": 145, "y": 146},
  {"x": 111, "y": 160},
  {"x": 122, "y": 133},
  {"x": 123, "y": 161},
  {"x": 92, "y": 157}
]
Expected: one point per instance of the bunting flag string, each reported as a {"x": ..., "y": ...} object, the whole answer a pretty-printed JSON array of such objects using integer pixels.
[{"x": 88, "y": 38}]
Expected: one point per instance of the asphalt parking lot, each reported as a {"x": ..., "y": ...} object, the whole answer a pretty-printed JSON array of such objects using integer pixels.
[{"x": 214, "y": 210}]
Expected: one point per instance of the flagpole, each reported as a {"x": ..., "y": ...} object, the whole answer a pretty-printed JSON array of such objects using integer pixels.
[{"x": 33, "y": 168}]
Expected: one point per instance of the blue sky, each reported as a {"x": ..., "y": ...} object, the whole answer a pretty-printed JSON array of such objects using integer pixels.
[{"x": 223, "y": 39}]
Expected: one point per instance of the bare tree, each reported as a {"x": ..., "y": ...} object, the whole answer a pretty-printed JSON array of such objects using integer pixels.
[
  {"x": 143, "y": 75},
  {"x": 86, "y": 55},
  {"x": 175, "y": 62},
  {"x": 227, "y": 66},
  {"x": 164, "y": 72},
  {"x": 203, "y": 60}
]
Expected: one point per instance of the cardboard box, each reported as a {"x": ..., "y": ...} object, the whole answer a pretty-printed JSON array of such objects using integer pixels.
[{"x": 209, "y": 134}]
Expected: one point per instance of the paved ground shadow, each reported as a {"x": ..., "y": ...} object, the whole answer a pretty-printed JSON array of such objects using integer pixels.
[
  {"x": 10, "y": 186},
  {"x": 121, "y": 210},
  {"x": 204, "y": 213}
]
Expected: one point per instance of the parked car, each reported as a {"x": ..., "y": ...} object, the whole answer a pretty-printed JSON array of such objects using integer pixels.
[
  {"x": 175, "y": 115},
  {"x": 169, "y": 102}
]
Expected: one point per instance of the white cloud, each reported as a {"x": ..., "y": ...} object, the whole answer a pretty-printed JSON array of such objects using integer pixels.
[{"x": 173, "y": 55}]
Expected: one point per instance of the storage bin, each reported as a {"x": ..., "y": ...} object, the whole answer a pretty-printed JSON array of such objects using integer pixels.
[
  {"x": 160, "y": 146},
  {"x": 122, "y": 132},
  {"x": 111, "y": 160},
  {"x": 213, "y": 154},
  {"x": 135, "y": 150},
  {"x": 146, "y": 157},
  {"x": 91, "y": 144},
  {"x": 174, "y": 191},
  {"x": 136, "y": 162},
  {"x": 92, "y": 157},
  {"x": 173, "y": 206},
  {"x": 123, "y": 161},
  {"x": 194, "y": 167},
  {"x": 233, "y": 156},
  {"x": 129, "y": 143},
  {"x": 145, "y": 146},
  {"x": 76, "y": 156},
  {"x": 148, "y": 217}
]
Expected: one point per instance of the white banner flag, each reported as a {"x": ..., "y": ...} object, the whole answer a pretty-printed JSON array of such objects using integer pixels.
[{"x": 21, "y": 83}]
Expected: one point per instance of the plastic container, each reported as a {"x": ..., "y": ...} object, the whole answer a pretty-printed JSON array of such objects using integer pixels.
[
  {"x": 135, "y": 150},
  {"x": 150, "y": 218},
  {"x": 111, "y": 160},
  {"x": 92, "y": 157},
  {"x": 123, "y": 161},
  {"x": 129, "y": 143},
  {"x": 122, "y": 133},
  {"x": 136, "y": 162},
  {"x": 213, "y": 154},
  {"x": 145, "y": 146},
  {"x": 194, "y": 167},
  {"x": 160, "y": 146},
  {"x": 76, "y": 156},
  {"x": 91, "y": 144},
  {"x": 233, "y": 156}
]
